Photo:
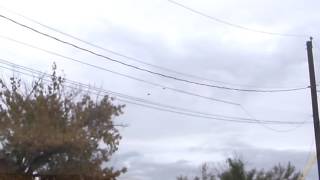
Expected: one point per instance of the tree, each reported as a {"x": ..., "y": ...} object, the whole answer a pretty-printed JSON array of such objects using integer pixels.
[
  {"x": 205, "y": 174},
  {"x": 236, "y": 171},
  {"x": 279, "y": 172},
  {"x": 48, "y": 129}
]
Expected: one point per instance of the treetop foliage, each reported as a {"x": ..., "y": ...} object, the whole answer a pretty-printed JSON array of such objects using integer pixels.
[
  {"x": 236, "y": 170},
  {"x": 47, "y": 129}
]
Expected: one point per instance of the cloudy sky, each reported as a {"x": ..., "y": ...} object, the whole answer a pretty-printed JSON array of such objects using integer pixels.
[{"x": 162, "y": 145}]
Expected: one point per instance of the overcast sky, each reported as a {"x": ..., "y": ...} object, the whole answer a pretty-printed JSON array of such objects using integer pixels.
[{"x": 161, "y": 145}]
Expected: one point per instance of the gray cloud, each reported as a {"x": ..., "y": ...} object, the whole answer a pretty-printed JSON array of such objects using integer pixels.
[
  {"x": 160, "y": 145},
  {"x": 253, "y": 157}
]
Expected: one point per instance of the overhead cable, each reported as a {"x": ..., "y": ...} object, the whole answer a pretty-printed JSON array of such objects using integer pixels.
[
  {"x": 164, "y": 87},
  {"x": 272, "y": 128},
  {"x": 149, "y": 104},
  {"x": 150, "y": 71},
  {"x": 221, "y": 21},
  {"x": 117, "y": 53},
  {"x": 114, "y": 52}
]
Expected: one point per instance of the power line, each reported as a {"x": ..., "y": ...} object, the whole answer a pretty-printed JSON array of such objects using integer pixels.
[
  {"x": 149, "y": 104},
  {"x": 149, "y": 71},
  {"x": 235, "y": 25},
  {"x": 75, "y": 83},
  {"x": 134, "y": 101},
  {"x": 190, "y": 113},
  {"x": 250, "y": 117},
  {"x": 271, "y": 128},
  {"x": 121, "y": 74},
  {"x": 117, "y": 53},
  {"x": 114, "y": 52},
  {"x": 2, "y": 61}
]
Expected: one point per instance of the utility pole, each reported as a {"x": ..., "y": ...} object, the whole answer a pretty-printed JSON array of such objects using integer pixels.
[{"x": 315, "y": 112}]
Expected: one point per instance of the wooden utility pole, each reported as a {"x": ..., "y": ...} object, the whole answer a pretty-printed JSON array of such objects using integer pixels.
[{"x": 315, "y": 112}]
